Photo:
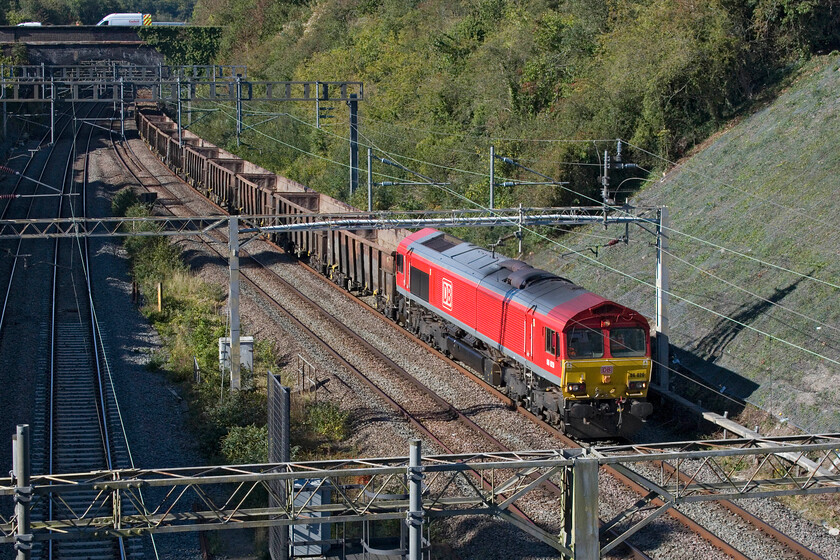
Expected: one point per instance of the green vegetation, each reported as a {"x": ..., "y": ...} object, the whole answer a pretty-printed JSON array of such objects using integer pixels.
[
  {"x": 230, "y": 427},
  {"x": 445, "y": 80},
  {"x": 552, "y": 84},
  {"x": 760, "y": 322},
  {"x": 184, "y": 46}
]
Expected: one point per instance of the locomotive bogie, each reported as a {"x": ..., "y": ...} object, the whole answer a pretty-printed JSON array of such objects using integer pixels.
[{"x": 572, "y": 357}]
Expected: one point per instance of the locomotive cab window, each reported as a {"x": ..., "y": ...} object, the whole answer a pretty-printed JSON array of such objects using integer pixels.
[
  {"x": 419, "y": 283},
  {"x": 550, "y": 341},
  {"x": 584, "y": 343},
  {"x": 627, "y": 342},
  {"x": 399, "y": 263}
]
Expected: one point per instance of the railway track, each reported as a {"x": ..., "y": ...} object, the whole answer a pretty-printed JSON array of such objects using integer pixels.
[
  {"x": 76, "y": 423},
  {"x": 444, "y": 410}
]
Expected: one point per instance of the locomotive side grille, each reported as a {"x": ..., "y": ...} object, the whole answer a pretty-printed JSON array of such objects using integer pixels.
[{"x": 419, "y": 283}]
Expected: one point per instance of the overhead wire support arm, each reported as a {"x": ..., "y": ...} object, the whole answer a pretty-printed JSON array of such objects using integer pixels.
[
  {"x": 371, "y": 184},
  {"x": 405, "y": 183},
  {"x": 522, "y": 183},
  {"x": 428, "y": 180},
  {"x": 515, "y": 163},
  {"x": 493, "y": 184}
]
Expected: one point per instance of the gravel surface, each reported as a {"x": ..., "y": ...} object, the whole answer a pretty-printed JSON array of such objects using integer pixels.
[{"x": 153, "y": 414}]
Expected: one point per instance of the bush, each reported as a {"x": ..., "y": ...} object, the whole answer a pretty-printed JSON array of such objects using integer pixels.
[
  {"x": 327, "y": 419},
  {"x": 123, "y": 200},
  {"x": 215, "y": 417},
  {"x": 245, "y": 445}
]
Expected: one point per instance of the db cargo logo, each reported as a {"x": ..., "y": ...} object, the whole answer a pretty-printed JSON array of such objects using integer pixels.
[{"x": 446, "y": 294}]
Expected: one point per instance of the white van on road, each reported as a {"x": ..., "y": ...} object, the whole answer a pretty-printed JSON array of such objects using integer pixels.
[{"x": 137, "y": 19}]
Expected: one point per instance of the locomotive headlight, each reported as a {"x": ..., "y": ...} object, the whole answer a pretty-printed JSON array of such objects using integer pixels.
[
  {"x": 637, "y": 385},
  {"x": 576, "y": 388}
]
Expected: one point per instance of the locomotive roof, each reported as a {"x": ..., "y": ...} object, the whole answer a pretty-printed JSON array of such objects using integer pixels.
[{"x": 513, "y": 279}]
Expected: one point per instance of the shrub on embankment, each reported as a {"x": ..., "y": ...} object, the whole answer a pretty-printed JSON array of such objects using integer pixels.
[{"x": 229, "y": 426}]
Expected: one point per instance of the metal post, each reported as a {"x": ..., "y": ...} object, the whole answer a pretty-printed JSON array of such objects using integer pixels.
[
  {"x": 3, "y": 93},
  {"x": 52, "y": 112},
  {"x": 585, "y": 509},
  {"x": 662, "y": 290},
  {"x": 492, "y": 177},
  {"x": 370, "y": 180},
  {"x": 317, "y": 104},
  {"x": 605, "y": 185},
  {"x": 23, "y": 492},
  {"x": 235, "y": 381},
  {"x": 279, "y": 451},
  {"x": 238, "y": 108},
  {"x": 180, "y": 136},
  {"x": 354, "y": 142},
  {"x": 414, "y": 516},
  {"x": 190, "y": 95},
  {"x": 122, "y": 108}
]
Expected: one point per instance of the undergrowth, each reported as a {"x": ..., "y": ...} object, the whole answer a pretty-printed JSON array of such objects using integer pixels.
[{"x": 230, "y": 427}]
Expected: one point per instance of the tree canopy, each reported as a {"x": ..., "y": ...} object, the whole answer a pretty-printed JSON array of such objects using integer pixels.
[{"x": 538, "y": 79}]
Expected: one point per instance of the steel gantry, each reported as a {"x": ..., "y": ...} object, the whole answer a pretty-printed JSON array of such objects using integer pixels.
[
  {"x": 415, "y": 488},
  {"x": 126, "y": 84}
]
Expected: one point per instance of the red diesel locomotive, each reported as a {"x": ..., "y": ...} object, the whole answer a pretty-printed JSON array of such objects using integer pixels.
[{"x": 572, "y": 356}]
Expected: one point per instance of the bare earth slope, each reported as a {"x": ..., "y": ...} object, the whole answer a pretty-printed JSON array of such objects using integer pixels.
[{"x": 755, "y": 266}]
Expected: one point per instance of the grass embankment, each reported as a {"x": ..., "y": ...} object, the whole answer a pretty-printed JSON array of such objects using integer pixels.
[
  {"x": 753, "y": 263},
  {"x": 752, "y": 259},
  {"x": 230, "y": 427}
]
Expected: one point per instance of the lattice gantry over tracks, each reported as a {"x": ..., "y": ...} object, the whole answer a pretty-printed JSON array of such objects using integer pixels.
[{"x": 467, "y": 484}]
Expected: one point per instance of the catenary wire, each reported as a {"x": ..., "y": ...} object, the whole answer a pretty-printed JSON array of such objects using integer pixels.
[
  {"x": 554, "y": 242},
  {"x": 744, "y": 290}
]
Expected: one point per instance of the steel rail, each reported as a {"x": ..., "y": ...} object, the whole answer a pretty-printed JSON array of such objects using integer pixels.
[
  {"x": 419, "y": 386},
  {"x": 99, "y": 401},
  {"x": 444, "y": 406},
  {"x": 723, "y": 546},
  {"x": 20, "y": 177},
  {"x": 51, "y": 455},
  {"x": 124, "y": 156},
  {"x": 795, "y": 546},
  {"x": 94, "y": 329},
  {"x": 62, "y": 123}
]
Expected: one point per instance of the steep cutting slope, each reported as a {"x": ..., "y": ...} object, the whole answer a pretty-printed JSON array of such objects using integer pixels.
[{"x": 768, "y": 189}]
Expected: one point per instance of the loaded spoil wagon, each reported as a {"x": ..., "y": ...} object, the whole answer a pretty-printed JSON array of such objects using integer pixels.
[{"x": 362, "y": 261}]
